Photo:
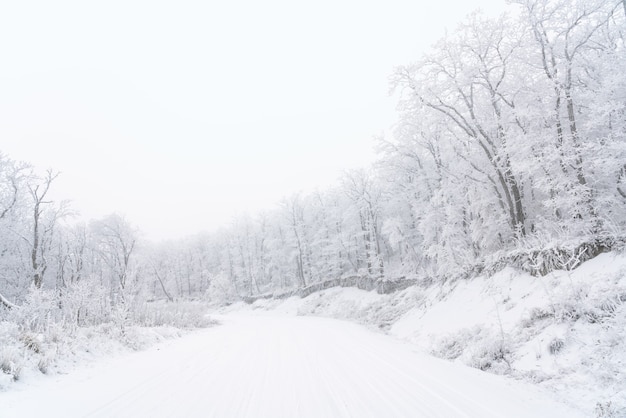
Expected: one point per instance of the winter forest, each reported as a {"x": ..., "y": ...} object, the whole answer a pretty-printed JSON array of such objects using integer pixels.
[
  {"x": 509, "y": 150},
  {"x": 510, "y": 138}
]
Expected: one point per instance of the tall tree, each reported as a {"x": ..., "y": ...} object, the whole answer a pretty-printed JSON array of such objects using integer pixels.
[{"x": 115, "y": 242}]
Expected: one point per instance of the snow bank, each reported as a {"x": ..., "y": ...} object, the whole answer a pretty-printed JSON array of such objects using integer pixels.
[
  {"x": 32, "y": 343},
  {"x": 565, "y": 331}
]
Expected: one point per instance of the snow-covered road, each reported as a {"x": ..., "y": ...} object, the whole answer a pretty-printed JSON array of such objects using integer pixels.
[{"x": 270, "y": 366}]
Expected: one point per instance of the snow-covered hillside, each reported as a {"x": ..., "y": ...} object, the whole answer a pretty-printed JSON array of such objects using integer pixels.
[{"x": 565, "y": 331}]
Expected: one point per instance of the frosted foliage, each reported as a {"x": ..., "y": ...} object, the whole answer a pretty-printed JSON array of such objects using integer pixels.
[
  {"x": 509, "y": 151},
  {"x": 510, "y": 142},
  {"x": 522, "y": 120}
]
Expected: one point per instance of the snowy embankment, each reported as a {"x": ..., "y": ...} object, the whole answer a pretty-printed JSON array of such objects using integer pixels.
[
  {"x": 565, "y": 331},
  {"x": 32, "y": 344},
  {"x": 279, "y": 366}
]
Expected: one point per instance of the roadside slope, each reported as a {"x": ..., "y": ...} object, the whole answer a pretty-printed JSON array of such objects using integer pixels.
[{"x": 565, "y": 331}]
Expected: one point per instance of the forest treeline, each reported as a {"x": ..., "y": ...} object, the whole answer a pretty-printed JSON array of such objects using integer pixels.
[{"x": 511, "y": 135}]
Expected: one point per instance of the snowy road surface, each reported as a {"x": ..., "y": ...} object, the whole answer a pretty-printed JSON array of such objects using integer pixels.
[{"x": 269, "y": 366}]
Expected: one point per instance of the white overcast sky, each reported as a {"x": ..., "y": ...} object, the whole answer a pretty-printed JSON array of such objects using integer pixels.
[{"x": 181, "y": 114}]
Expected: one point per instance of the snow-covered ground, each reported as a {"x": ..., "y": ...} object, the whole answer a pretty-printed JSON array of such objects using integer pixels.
[
  {"x": 560, "y": 337},
  {"x": 278, "y": 366},
  {"x": 566, "y": 331}
]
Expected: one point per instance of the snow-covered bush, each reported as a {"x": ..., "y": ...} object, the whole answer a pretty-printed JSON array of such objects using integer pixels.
[
  {"x": 556, "y": 345},
  {"x": 369, "y": 308},
  {"x": 84, "y": 303},
  {"x": 181, "y": 314},
  {"x": 605, "y": 410},
  {"x": 48, "y": 326},
  {"x": 221, "y": 290},
  {"x": 11, "y": 362},
  {"x": 478, "y": 347},
  {"x": 32, "y": 341},
  {"x": 492, "y": 355},
  {"x": 37, "y": 312},
  {"x": 451, "y": 346}
]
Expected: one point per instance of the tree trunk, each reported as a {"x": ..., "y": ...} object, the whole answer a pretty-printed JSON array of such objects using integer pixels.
[
  {"x": 367, "y": 240},
  {"x": 158, "y": 276},
  {"x": 37, "y": 279}
]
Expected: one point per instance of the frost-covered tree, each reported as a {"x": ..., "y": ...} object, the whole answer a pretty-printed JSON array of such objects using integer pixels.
[
  {"x": 466, "y": 82},
  {"x": 365, "y": 195},
  {"x": 114, "y": 242},
  {"x": 510, "y": 129},
  {"x": 13, "y": 212}
]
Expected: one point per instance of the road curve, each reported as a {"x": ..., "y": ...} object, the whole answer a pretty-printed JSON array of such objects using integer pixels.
[{"x": 270, "y": 366}]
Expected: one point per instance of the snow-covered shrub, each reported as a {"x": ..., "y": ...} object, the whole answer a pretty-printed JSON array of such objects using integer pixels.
[
  {"x": 605, "y": 410},
  {"x": 181, "y": 314},
  {"x": 567, "y": 312},
  {"x": 44, "y": 363},
  {"x": 555, "y": 346},
  {"x": 601, "y": 309},
  {"x": 478, "y": 347},
  {"x": 369, "y": 308},
  {"x": 37, "y": 311},
  {"x": 84, "y": 303},
  {"x": 593, "y": 305},
  {"x": 32, "y": 341},
  {"x": 56, "y": 333},
  {"x": 451, "y": 346},
  {"x": 610, "y": 304},
  {"x": 221, "y": 290},
  {"x": 492, "y": 355},
  {"x": 11, "y": 362},
  {"x": 541, "y": 255},
  {"x": 536, "y": 315},
  {"x": 120, "y": 316}
]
